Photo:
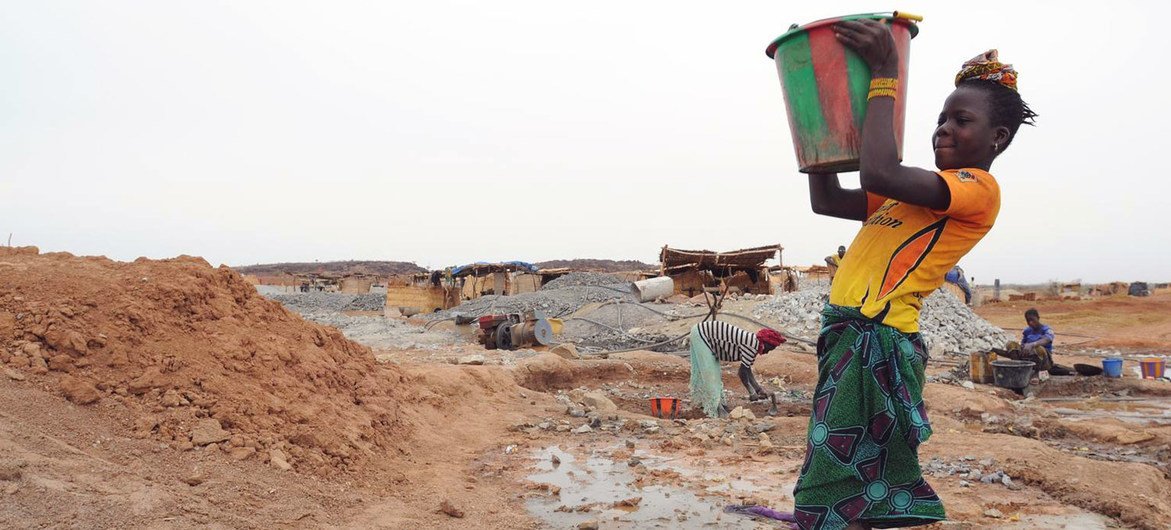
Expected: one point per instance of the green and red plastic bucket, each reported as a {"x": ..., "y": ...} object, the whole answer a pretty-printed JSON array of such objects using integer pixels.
[{"x": 825, "y": 86}]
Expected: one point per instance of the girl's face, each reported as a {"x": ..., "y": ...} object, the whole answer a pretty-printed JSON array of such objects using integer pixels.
[{"x": 965, "y": 136}]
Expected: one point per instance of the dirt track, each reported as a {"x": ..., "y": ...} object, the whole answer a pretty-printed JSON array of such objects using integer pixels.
[{"x": 480, "y": 440}]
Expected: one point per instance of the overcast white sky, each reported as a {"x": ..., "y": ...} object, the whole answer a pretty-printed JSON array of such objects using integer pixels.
[{"x": 445, "y": 132}]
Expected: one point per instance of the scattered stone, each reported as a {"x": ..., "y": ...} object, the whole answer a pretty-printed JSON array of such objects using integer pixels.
[
  {"x": 556, "y": 460},
  {"x": 965, "y": 484},
  {"x": 19, "y": 360},
  {"x": 741, "y": 413},
  {"x": 241, "y": 453},
  {"x": 598, "y": 402},
  {"x": 61, "y": 363},
  {"x": 588, "y": 525},
  {"x": 632, "y": 502},
  {"x": 79, "y": 391},
  {"x": 279, "y": 460},
  {"x": 208, "y": 431},
  {"x": 566, "y": 350},
  {"x": 634, "y": 461},
  {"x": 10, "y": 471},
  {"x": 583, "y": 429},
  {"x": 13, "y": 374},
  {"x": 576, "y": 412},
  {"x": 172, "y": 398},
  {"x": 195, "y": 478},
  {"x": 448, "y": 508},
  {"x": 474, "y": 360},
  {"x": 993, "y": 513},
  {"x": 761, "y": 427},
  {"x": 968, "y": 385}
]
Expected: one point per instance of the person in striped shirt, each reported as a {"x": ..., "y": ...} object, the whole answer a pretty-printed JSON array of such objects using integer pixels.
[{"x": 713, "y": 341}]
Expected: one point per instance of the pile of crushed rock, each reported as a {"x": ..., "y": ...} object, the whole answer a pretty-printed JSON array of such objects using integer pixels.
[
  {"x": 577, "y": 279},
  {"x": 947, "y": 324},
  {"x": 383, "y": 333},
  {"x": 553, "y": 302},
  {"x": 313, "y": 302}
]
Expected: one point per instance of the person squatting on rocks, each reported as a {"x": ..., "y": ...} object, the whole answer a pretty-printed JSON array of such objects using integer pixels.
[
  {"x": 1036, "y": 345},
  {"x": 713, "y": 341},
  {"x": 861, "y": 466}
]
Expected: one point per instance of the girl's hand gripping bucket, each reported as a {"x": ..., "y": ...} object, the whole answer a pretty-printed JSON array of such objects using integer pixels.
[{"x": 825, "y": 86}]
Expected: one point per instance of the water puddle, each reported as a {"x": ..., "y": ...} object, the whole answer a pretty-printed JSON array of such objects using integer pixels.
[
  {"x": 1129, "y": 410},
  {"x": 598, "y": 487},
  {"x": 1081, "y": 521}
]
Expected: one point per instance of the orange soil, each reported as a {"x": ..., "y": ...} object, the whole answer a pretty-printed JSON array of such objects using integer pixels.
[{"x": 1118, "y": 321}]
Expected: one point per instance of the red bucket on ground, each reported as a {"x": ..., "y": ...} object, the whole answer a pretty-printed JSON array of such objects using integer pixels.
[
  {"x": 825, "y": 86},
  {"x": 1152, "y": 368},
  {"x": 665, "y": 407}
]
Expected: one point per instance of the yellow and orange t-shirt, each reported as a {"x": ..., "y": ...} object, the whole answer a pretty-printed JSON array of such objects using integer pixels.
[{"x": 903, "y": 251}]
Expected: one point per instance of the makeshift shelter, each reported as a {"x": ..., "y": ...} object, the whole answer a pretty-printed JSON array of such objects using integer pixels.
[
  {"x": 356, "y": 284},
  {"x": 421, "y": 293},
  {"x": 505, "y": 278},
  {"x": 741, "y": 270}
]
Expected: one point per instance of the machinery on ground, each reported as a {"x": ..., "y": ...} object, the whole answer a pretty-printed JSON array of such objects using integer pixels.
[{"x": 514, "y": 330}]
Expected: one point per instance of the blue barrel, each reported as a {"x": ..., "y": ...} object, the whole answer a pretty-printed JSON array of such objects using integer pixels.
[{"x": 1112, "y": 366}]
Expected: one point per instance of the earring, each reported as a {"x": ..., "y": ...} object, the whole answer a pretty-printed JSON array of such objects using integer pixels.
[{"x": 996, "y": 147}]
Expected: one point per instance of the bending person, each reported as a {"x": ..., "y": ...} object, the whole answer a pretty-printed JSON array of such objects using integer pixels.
[{"x": 713, "y": 341}]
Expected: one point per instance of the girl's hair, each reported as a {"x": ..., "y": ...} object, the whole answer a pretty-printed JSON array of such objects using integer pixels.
[{"x": 1008, "y": 109}]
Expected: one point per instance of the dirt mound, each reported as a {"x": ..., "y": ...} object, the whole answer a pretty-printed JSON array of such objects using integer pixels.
[{"x": 196, "y": 357}]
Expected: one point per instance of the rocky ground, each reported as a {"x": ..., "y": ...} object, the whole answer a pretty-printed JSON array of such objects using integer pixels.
[{"x": 167, "y": 393}]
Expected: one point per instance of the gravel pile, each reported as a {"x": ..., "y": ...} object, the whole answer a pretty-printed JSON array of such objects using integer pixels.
[
  {"x": 312, "y": 302},
  {"x": 385, "y": 333},
  {"x": 798, "y": 312},
  {"x": 553, "y": 302},
  {"x": 578, "y": 279},
  {"x": 951, "y": 327},
  {"x": 948, "y": 326}
]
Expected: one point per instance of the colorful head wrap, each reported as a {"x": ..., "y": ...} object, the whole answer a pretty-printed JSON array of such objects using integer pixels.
[
  {"x": 988, "y": 67},
  {"x": 770, "y": 337}
]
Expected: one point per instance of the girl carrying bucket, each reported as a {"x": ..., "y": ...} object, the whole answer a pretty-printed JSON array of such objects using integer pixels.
[{"x": 861, "y": 466}]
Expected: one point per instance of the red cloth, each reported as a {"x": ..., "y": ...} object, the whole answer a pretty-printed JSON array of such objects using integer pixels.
[{"x": 770, "y": 337}]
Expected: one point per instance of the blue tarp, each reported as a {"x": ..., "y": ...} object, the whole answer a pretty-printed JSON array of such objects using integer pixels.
[{"x": 464, "y": 270}]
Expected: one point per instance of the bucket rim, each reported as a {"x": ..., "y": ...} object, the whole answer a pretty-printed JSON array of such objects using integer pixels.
[
  {"x": 1012, "y": 363},
  {"x": 772, "y": 47}
]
